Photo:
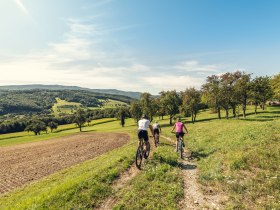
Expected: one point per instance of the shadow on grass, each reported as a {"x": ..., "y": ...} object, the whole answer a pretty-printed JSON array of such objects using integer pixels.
[
  {"x": 187, "y": 166},
  {"x": 199, "y": 155},
  {"x": 12, "y": 137},
  {"x": 165, "y": 144},
  {"x": 257, "y": 119}
]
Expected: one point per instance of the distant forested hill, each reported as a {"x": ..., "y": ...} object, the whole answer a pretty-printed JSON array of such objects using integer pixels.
[
  {"x": 130, "y": 94},
  {"x": 42, "y": 100}
]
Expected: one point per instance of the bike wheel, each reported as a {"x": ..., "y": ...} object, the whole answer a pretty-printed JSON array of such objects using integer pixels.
[
  {"x": 147, "y": 153},
  {"x": 180, "y": 148},
  {"x": 138, "y": 158},
  {"x": 156, "y": 140}
]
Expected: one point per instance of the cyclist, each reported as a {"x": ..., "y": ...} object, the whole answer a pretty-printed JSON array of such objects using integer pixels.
[
  {"x": 179, "y": 131},
  {"x": 156, "y": 128},
  {"x": 143, "y": 126}
]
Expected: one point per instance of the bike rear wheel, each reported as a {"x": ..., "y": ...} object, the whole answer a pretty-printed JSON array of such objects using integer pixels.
[
  {"x": 156, "y": 139},
  {"x": 180, "y": 148},
  {"x": 139, "y": 157}
]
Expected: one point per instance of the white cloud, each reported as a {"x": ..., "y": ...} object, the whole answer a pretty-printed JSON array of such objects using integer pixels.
[
  {"x": 195, "y": 66},
  {"x": 80, "y": 60},
  {"x": 22, "y": 7},
  {"x": 171, "y": 82}
]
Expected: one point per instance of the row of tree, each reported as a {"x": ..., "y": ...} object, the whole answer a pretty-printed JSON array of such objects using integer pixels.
[
  {"x": 229, "y": 91},
  {"x": 42, "y": 121}
]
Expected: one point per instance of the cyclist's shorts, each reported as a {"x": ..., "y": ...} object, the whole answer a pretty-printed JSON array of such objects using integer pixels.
[
  {"x": 143, "y": 134},
  {"x": 179, "y": 134},
  {"x": 156, "y": 131}
]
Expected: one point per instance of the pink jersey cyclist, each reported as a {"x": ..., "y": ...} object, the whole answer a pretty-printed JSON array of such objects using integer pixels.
[{"x": 179, "y": 126}]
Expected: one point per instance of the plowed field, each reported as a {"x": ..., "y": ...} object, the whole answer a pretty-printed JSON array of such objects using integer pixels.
[{"x": 25, "y": 163}]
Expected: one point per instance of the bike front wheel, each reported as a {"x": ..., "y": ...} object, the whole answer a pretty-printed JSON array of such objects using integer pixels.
[{"x": 147, "y": 152}]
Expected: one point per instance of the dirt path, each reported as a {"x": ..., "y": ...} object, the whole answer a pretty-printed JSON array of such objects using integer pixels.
[
  {"x": 194, "y": 197},
  {"x": 25, "y": 163},
  {"x": 122, "y": 181},
  {"x": 124, "y": 178}
]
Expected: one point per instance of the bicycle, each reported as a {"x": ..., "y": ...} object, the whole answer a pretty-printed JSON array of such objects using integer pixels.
[
  {"x": 140, "y": 153},
  {"x": 156, "y": 139},
  {"x": 180, "y": 148}
]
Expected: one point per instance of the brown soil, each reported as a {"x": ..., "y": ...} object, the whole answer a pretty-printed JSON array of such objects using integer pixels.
[{"x": 25, "y": 163}]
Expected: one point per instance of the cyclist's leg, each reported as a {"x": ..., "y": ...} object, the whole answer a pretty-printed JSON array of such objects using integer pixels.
[
  {"x": 182, "y": 138},
  {"x": 176, "y": 141},
  {"x": 140, "y": 136},
  {"x": 146, "y": 139}
]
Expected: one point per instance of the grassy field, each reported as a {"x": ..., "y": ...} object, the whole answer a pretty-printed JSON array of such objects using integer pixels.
[
  {"x": 62, "y": 130},
  {"x": 65, "y": 107},
  {"x": 238, "y": 157}
]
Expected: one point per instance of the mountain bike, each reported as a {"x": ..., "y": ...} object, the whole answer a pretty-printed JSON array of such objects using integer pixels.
[
  {"x": 156, "y": 139},
  {"x": 140, "y": 153},
  {"x": 180, "y": 148}
]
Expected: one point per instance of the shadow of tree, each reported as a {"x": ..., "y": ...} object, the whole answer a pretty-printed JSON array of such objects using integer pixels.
[
  {"x": 187, "y": 166},
  {"x": 198, "y": 155}
]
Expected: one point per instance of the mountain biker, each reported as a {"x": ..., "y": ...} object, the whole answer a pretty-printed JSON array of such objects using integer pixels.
[
  {"x": 179, "y": 131},
  {"x": 156, "y": 128},
  {"x": 143, "y": 126}
]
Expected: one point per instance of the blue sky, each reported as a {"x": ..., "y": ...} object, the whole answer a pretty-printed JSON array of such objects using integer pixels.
[{"x": 136, "y": 45}]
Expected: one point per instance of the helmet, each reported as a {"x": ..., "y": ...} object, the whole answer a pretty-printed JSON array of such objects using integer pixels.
[{"x": 144, "y": 116}]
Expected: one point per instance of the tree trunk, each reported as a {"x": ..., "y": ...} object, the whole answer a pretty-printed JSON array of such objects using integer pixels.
[
  {"x": 244, "y": 107},
  {"x": 227, "y": 113},
  {"x": 234, "y": 111},
  {"x": 80, "y": 126},
  {"x": 170, "y": 120},
  {"x": 219, "y": 112},
  {"x": 256, "y": 107},
  {"x": 192, "y": 118}
]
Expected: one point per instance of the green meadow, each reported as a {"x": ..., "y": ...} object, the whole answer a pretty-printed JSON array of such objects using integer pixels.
[
  {"x": 236, "y": 157},
  {"x": 66, "y": 107}
]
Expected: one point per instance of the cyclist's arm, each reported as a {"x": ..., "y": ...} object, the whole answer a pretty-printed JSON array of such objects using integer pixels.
[
  {"x": 173, "y": 128},
  {"x": 186, "y": 129}
]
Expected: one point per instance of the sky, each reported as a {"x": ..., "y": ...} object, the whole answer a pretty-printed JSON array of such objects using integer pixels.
[{"x": 136, "y": 45}]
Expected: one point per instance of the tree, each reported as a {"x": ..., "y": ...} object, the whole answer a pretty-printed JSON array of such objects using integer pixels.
[
  {"x": 275, "y": 83},
  {"x": 52, "y": 125},
  {"x": 135, "y": 110},
  {"x": 171, "y": 102},
  {"x": 211, "y": 92},
  {"x": 36, "y": 126},
  {"x": 191, "y": 101},
  {"x": 261, "y": 91},
  {"x": 243, "y": 90},
  {"x": 147, "y": 105},
  {"x": 80, "y": 118},
  {"x": 121, "y": 115},
  {"x": 226, "y": 91}
]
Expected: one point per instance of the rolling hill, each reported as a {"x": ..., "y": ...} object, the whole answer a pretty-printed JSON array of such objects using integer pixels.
[{"x": 135, "y": 95}]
